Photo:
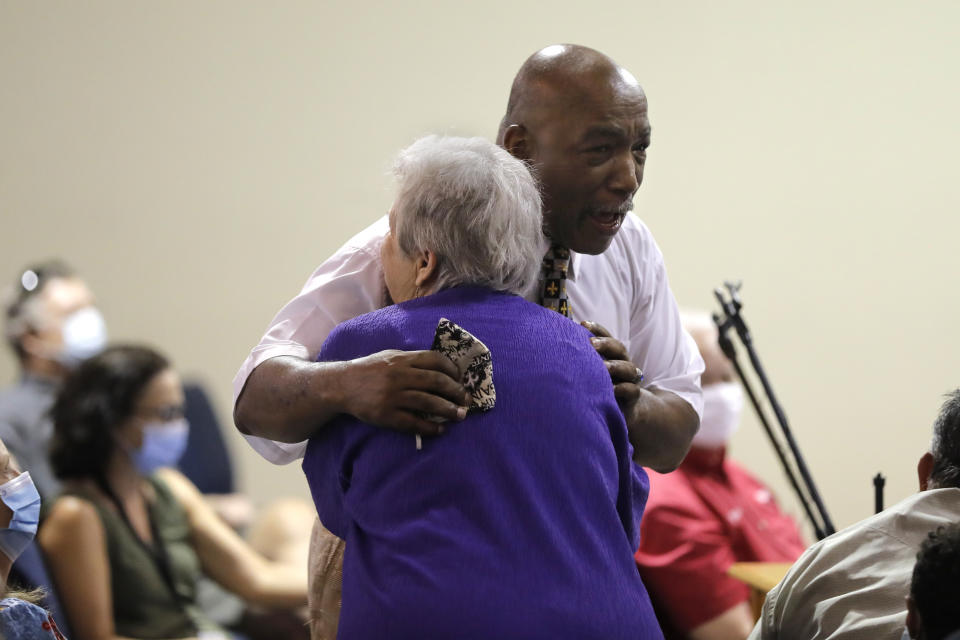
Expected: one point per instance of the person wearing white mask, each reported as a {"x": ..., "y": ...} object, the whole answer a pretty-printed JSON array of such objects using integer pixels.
[
  {"x": 709, "y": 514},
  {"x": 51, "y": 324},
  {"x": 129, "y": 536}
]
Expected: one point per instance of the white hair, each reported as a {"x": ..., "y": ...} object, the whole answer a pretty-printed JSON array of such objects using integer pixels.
[
  {"x": 20, "y": 316},
  {"x": 475, "y": 206}
]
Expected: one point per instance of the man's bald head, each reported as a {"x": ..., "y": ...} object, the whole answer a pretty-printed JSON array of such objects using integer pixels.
[
  {"x": 580, "y": 122},
  {"x": 560, "y": 75}
]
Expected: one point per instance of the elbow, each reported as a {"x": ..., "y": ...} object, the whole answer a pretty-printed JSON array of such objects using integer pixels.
[
  {"x": 241, "y": 416},
  {"x": 674, "y": 443}
]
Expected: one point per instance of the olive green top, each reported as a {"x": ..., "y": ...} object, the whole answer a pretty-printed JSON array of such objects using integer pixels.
[{"x": 144, "y": 605}]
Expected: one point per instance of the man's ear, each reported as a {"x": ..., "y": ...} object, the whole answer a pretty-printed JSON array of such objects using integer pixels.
[
  {"x": 427, "y": 269},
  {"x": 924, "y": 469},
  {"x": 516, "y": 140}
]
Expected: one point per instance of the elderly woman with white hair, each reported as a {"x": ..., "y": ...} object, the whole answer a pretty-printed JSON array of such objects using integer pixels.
[{"x": 521, "y": 519}]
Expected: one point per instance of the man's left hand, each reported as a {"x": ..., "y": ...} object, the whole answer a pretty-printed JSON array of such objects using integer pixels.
[
  {"x": 623, "y": 372},
  {"x": 660, "y": 424}
]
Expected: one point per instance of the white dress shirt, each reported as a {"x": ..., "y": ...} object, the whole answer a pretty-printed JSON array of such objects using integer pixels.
[
  {"x": 625, "y": 289},
  {"x": 854, "y": 583}
]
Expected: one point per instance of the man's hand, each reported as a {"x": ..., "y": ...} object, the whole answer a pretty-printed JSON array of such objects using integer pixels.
[
  {"x": 660, "y": 424},
  {"x": 288, "y": 399},
  {"x": 397, "y": 389},
  {"x": 623, "y": 372}
]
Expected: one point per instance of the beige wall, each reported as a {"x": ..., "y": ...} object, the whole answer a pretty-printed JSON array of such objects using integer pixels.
[{"x": 196, "y": 160}]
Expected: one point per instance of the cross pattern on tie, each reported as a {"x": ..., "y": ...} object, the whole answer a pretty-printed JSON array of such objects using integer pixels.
[{"x": 554, "y": 292}]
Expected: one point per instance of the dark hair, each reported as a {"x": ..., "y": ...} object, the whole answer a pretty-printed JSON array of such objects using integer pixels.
[
  {"x": 30, "y": 283},
  {"x": 946, "y": 444},
  {"x": 95, "y": 400},
  {"x": 936, "y": 577}
]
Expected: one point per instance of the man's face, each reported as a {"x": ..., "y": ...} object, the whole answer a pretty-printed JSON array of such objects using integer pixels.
[
  {"x": 59, "y": 299},
  {"x": 589, "y": 155}
]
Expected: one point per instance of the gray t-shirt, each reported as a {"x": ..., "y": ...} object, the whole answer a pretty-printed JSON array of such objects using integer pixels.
[{"x": 26, "y": 429}]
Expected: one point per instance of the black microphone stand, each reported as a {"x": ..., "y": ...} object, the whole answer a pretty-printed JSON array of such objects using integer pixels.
[{"x": 803, "y": 485}]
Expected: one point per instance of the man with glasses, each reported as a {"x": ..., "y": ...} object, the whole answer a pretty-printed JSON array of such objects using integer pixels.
[{"x": 51, "y": 324}]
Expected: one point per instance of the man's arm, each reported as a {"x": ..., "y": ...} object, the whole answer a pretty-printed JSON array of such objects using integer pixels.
[
  {"x": 281, "y": 394},
  {"x": 288, "y": 399},
  {"x": 660, "y": 424}
]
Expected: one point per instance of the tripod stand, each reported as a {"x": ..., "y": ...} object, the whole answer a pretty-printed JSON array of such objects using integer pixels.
[{"x": 795, "y": 468}]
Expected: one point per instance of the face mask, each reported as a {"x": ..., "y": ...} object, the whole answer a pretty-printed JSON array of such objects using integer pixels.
[
  {"x": 163, "y": 444},
  {"x": 84, "y": 335},
  {"x": 722, "y": 404},
  {"x": 21, "y": 496}
]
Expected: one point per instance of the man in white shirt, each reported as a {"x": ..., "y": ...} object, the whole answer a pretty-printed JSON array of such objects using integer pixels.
[
  {"x": 854, "y": 583},
  {"x": 581, "y": 122}
]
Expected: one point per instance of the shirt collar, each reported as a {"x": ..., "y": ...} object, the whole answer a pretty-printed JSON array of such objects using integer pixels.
[
  {"x": 572, "y": 266},
  {"x": 704, "y": 460}
]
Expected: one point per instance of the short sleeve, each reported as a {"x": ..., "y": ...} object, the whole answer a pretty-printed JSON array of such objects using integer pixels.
[{"x": 664, "y": 350}]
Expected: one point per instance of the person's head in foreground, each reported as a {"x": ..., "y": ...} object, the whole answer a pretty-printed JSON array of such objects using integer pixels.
[
  {"x": 51, "y": 321},
  {"x": 122, "y": 408},
  {"x": 466, "y": 212},
  {"x": 581, "y": 122},
  {"x": 940, "y": 467},
  {"x": 932, "y": 611}
]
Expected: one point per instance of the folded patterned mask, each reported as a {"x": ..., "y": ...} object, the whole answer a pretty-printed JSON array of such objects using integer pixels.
[{"x": 473, "y": 359}]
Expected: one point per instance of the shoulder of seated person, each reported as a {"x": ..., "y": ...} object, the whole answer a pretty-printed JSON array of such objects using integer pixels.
[
  {"x": 171, "y": 477},
  {"x": 71, "y": 511},
  {"x": 178, "y": 484}
]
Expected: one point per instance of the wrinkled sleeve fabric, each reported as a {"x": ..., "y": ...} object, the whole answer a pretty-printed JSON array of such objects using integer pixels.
[
  {"x": 348, "y": 284},
  {"x": 659, "y": 344}
]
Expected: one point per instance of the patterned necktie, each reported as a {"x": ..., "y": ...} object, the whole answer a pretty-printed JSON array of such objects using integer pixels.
[{"x": 554, "y": 293}]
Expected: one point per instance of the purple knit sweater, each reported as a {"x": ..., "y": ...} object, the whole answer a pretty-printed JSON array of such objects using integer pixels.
[{"x": 520, "y": 522}]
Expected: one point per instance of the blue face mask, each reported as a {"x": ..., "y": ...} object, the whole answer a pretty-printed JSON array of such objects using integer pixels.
[
  {"x": 21, "y": 496},
  {"x": 163, "y": 444}
]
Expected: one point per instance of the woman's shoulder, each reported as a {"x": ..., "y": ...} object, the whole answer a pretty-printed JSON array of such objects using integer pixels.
[
  {"x": 72, "y": 509},
  {"x": 71, "y": 517},
  {"x": 170, "y": 486},
  {"x": 354, "y": 338}
]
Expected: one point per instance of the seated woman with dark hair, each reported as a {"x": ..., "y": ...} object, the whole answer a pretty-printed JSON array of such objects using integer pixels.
[
  {"x": 519, "y": 521},
  {"x": 129, "y": 537}
]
